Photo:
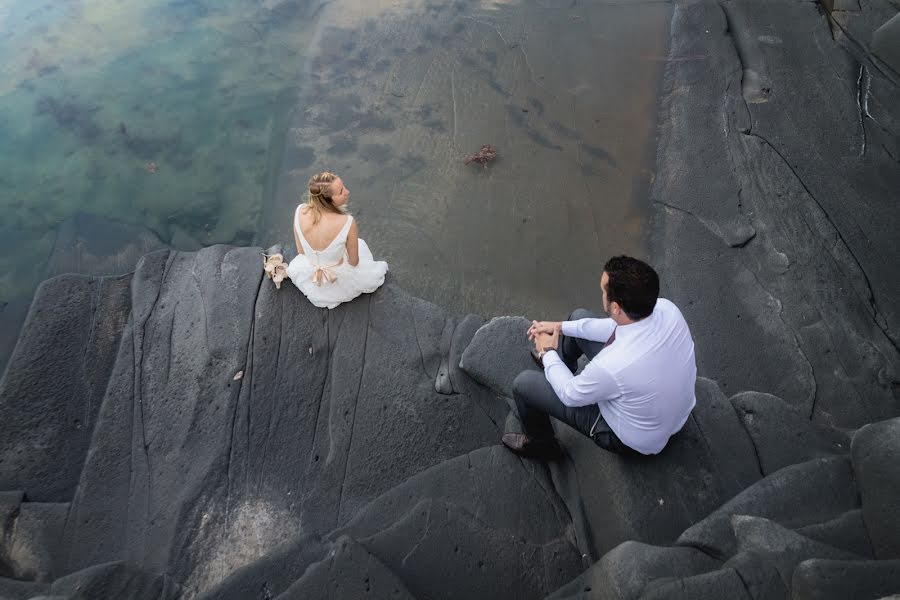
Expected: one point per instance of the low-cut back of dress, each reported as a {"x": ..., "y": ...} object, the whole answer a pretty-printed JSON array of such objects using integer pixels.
[{"x": 326, "y": 276}]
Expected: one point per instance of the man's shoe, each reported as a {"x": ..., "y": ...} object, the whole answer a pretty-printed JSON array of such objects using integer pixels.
[{"x": 522, "y": 444}]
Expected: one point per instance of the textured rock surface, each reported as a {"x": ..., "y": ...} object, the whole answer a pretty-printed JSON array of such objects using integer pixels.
[
  {"x": 781, "y": 435},
  {"x": 235, "y": 417},
  {"x": 626, "y": 570},
  {"x": 799, "y": 495},
  {"x": 823, "y": 579},
  {"x": 55, "y": 381},
  {"x": 501, "y": 336},
  {"x": 188, "y": 430},
  {"x": 774, "y": 231},
  {"x": 876, "y": 464}
]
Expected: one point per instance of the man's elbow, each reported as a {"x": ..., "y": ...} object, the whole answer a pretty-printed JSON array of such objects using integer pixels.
[{"x": 567, "y": 400}]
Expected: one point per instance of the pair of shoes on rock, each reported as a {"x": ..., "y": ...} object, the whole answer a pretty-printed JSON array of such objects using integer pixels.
[{"x": 524, "y": 445}]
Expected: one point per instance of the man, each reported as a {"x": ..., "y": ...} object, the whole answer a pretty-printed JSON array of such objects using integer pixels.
[{"x": 638, "y": 388}]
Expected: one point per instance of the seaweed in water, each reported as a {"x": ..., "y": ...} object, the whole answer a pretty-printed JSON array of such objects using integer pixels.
[
  {"x": 149, "y": 147},
  {"x": 482, "y": 157},
  {"x": 71, "y": 116}
]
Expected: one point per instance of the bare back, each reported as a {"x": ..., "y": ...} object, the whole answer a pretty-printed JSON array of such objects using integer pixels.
[{"x": 320, "y": 235}]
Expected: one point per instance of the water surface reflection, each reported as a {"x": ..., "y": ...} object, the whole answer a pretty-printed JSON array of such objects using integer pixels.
[
  {"x": 128, "y": 125},
  {"x": 398, "y": 93}
]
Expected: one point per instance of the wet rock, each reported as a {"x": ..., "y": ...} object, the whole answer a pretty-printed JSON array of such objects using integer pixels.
[
  {"x": 781, "y": 435},
  {"x": 876, "y": 465},
  {"x": 94, "y": 245}
]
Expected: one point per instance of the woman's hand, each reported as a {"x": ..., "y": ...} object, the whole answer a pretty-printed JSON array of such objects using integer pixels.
[{"x": 544, "y": 327}]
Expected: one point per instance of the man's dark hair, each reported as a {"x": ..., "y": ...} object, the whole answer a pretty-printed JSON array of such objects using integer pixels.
[{"x": 633, "y": 284}]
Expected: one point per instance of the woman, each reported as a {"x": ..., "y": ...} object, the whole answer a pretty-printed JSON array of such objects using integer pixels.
[{"x": 333, "y": 264}]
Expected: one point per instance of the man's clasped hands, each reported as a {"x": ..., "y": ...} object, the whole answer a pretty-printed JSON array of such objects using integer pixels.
[{"x": 545, "y": 335}]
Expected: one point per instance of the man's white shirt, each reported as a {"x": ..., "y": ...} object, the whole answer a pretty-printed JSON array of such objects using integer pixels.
[{"x": 643, "y": 382}]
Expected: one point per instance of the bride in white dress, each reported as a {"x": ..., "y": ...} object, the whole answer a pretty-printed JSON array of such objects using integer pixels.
[{"x": 333, "y": 264}]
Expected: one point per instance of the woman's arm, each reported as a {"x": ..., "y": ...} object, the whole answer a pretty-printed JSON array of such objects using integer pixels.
[
  {"x": 353, "y": 244},
  {"x": 297, "y": 237},
  {"x": 297, "y": 241}
]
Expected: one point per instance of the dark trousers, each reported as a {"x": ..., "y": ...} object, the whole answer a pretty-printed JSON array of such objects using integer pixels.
[{"x": 536, "y": 401}]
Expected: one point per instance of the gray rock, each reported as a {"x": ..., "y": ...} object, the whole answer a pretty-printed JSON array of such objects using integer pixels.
[
  {"x": 51, "y": 392},
  {"x": 759, "y": 575},
  {"x": 847, "y": 532},
  {"x": 348, "y": 572},
  {"x": 450, "y": 529},
  {"x": 273, "y": 573},
  {"x": 90, "y": 244},
  {"x": 799, "y": 495},
  {"x": 30, "y": 542},
  {"x": 823, "y": 579},
  {"x": 650, "y": 499},
  {"x": 499, "y": 351},
  {"x": 624, "y": 572},
  {"x": 886, "y": 43},
  {"x": 813, "y": 292},
  {"x": 778, "y": 546},
  {"x": 462, "y": 528},
  {"x": 115, "y": 580},
  {"x": 724, "y": 583},
  {"x": 9, "y": 508},
  {"x": 729, "y": 442},
  {"x": 15, "y": 589},
  {"x": 462, "y": 337},
  {"x": 842, "y": 5},
  {"x": 237, "y": 407},
  {"x": 876, "y": 465},
  {"x": 781, "y": 435}
]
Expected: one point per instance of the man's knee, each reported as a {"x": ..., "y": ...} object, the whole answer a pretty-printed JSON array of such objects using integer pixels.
[
  {"x": 581, "y": 313},
  {"x": 525, "y": 383}
]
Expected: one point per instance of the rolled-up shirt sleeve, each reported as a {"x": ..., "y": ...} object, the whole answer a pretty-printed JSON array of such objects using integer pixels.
[
  {"x": 592, "y": 386},
  {"x": 595, "y": 330}
]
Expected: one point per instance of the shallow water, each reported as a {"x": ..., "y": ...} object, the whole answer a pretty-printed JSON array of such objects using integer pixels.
[{"x": 237, "y": 102}]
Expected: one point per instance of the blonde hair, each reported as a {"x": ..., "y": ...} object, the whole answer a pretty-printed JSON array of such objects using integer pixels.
[{"x": 319, "y": 200}]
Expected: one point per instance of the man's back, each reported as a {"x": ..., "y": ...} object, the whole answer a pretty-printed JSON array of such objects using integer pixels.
[{"x": 653, "y": 364}]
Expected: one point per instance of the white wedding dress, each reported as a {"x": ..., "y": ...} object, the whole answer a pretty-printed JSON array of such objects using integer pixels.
[{"x": 326, "y": 277}]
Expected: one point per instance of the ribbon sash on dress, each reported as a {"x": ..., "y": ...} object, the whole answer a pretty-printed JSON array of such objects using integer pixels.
[{"x": 325, "y": 273}]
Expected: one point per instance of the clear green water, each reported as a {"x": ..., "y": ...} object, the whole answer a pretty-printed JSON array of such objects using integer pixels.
[
  {"x": 93, "y": 91},
  {"x": 238, "y": 102}
]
